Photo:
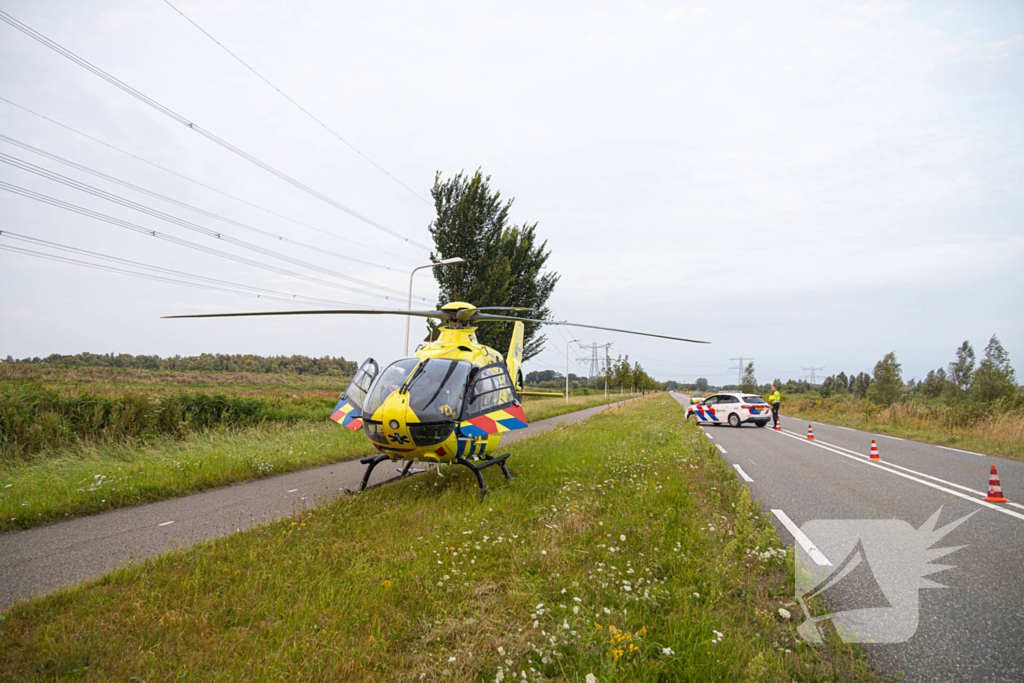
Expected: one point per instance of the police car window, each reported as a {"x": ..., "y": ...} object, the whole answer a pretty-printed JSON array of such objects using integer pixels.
[
  {"x": 711, "y": 401},
  {"x": 753, "y": 399},
  {"x": 728, "y": 399}
]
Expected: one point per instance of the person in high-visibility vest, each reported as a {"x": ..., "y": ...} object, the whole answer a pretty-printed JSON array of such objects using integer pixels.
[{"x": 774, "y": 401}]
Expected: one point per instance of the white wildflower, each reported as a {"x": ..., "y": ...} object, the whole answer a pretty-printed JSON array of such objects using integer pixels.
[
  {"x": 622, "y": 537},
  {"x": 591, "y": 678},
  {"x": 667, "y": 651}
]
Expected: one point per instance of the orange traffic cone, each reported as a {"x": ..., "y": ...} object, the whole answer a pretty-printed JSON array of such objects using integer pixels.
[
  {"x": 874, "y": 451},
  {"x": 995, "y": 490},
  {"x": 810, "y": 433},
  {"x": 778, "y": 426}
]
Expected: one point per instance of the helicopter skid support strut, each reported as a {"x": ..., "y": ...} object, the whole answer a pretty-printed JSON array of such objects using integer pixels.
[
  {"x": 478, "y": 469},
  {"x": 375, "y": 460}
]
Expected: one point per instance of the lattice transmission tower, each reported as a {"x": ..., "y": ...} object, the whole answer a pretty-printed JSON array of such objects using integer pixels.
[{"x": 595, "y": 360}]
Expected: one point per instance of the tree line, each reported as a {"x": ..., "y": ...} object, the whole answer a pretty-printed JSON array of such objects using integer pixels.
[
  {"x": 991, "y": 380},
  {"x": 207, "y": 362}
]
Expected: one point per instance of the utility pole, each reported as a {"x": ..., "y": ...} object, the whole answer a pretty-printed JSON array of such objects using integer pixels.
[
  {"x": 740, "y": 367},
  {"x": 811, "y": 374}
]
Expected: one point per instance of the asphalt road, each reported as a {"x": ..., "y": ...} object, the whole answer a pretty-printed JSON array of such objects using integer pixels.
[
  {"x": 971, "y": 630},
  {"x": 41, "y": 560}
]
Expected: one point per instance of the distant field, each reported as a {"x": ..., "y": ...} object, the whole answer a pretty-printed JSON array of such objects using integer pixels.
[
  {"x": 115, "y": 380},
  {"x": 126, "y": 459},
  {"x": 625, "y": 549}
]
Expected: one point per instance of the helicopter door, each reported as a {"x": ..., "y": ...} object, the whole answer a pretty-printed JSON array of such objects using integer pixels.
[
  {"x": 349, "y": 411},
  {"x": 491, "y": 405}
]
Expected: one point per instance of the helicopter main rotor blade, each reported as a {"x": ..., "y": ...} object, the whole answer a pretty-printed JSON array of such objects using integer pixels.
[
  {"x": 466, "y": 314},
  {"x": 443, "y": 315},
  {"x": 488, "y": 316}
]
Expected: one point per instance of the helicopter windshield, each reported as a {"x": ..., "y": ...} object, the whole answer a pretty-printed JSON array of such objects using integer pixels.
[
  {"x": 435, "y": 394},
  {"x": 389, "y": 381}
]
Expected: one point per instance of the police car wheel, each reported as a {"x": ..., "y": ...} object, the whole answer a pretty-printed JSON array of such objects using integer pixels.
[
  {"x": 761, "y": 424},
  {"x": 734, "y": 420}
]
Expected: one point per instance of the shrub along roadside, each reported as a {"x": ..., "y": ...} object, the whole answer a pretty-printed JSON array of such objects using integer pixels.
[{"x": 624, "y": 548}]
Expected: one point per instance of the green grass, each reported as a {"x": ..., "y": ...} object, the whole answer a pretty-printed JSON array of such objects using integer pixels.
[
  {"x": 620, "y": 537},
  {"x": 87, "y": 478},
  {"x": 544, "y": 408}
]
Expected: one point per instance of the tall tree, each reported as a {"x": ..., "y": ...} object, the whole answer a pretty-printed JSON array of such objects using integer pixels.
[
  {"x": 749, "y": 382},
  {"x": 503, "y": 261},
  {"x": 995, "y": 377},
  {"x": 935, "y": 383},
  {"x": 962, "y": 369},
  {"x": 701, "y": 384},
  {"x": 888, "y": 380}
]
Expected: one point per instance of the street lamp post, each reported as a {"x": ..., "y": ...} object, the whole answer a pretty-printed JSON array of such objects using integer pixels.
[
  {"x": 567, "y": 368},
  {"x": 446, "y": 262}
]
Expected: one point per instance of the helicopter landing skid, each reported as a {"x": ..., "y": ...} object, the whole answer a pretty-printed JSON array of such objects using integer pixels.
[
  {"x": 375, "y": 460},
  {"x": 477, "y": 469}
]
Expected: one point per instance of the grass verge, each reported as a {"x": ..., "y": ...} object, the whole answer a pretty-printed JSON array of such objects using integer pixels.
[
  {"x": 624, "y": 549},
  {"x": 999, "y": 433},
  {"x": 85, "y": 479}
]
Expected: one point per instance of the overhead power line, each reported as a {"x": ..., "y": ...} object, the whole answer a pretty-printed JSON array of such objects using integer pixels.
[
  {"x": 85, "y": 64},
  {"x": 204, "y": 185},
  {"x": 196, "y": 209},
  {"x": 205, "y": 282},
  {"x": 299, "y": 106},
  {"x": 52, "y": 201},
  {"x": 116, "y": 199}
]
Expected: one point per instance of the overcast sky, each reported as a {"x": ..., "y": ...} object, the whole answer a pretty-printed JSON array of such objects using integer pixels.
[{"x": 804, "y": 183}]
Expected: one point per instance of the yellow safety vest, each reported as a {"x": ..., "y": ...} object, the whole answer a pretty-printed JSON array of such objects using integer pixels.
[{"x": 775, "y": 398}]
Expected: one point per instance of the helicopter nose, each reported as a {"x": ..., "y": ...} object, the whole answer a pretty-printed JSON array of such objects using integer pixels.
[{"x": 393, "y": 418}]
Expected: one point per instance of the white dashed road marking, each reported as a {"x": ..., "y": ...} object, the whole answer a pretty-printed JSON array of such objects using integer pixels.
[
  {"x": 802, "y": 539},
  {"x": 724, "y": 452},
  {"x": 292, "y": 491},
  {"x": 166, "y": 523},
  {"x": 743, "y": 474}
]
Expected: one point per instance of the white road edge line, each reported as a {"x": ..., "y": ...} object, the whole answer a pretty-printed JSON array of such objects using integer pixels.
[
  {"x": 907, "y": 469},
  {"x": 724, "y": 452},
  {"x": 958, "y": 450},
  {"x": 743, "y": 474},
  {"x": 901, "y": 467},
  {"x": 802, "y": 539},
  {"x": 166, "y": 523},
  {"x": 983, "y": 503}
]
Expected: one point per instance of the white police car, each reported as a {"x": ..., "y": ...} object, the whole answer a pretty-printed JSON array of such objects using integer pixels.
[{"x": 731, "y": 407}]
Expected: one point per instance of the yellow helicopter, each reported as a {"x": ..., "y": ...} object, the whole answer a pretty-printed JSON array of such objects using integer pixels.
[{"x": 451, "y": 401}]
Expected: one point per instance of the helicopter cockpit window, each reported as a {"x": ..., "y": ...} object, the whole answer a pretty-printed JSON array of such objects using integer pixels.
[
  {"x": 390, "y": 380},
  {"x": 360, "y": 385},
  {"x": 437, "y": 390},
  {"x": 491, "y": 389}
]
